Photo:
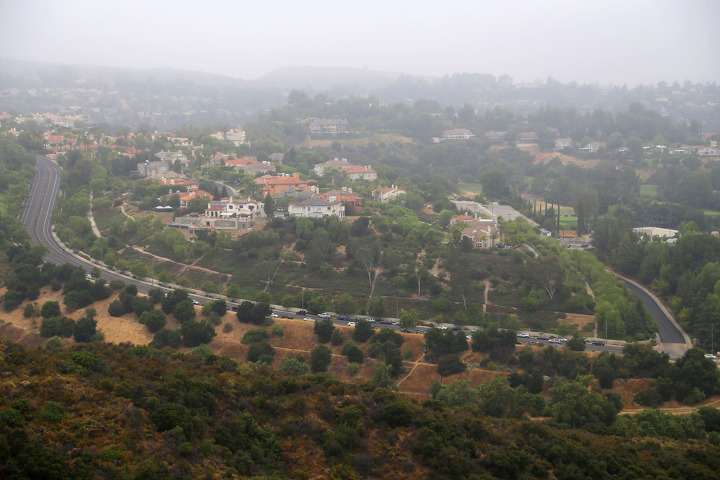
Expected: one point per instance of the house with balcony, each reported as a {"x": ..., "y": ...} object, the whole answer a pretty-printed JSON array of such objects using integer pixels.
[
  {"x": 247, "y": 209},
  {"x": 328, "y": 125},
  {"x": 345, "y": 196},
  {"x": 316, "y": 208},
  {"x": 481, "y": 232}
]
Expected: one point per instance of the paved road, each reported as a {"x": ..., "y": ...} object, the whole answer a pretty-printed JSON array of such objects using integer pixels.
[{"x": 673, "y": 340}]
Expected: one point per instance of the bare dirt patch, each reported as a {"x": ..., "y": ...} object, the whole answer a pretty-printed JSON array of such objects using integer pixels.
[{"x": 546, "y": 157}]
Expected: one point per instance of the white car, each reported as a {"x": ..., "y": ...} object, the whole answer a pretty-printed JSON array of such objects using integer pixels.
[
  {"x": 309, "y": 319},
  {"x": 523, "y": 335},
  {"x": 274, "y": 315},
  {"x": 371, "y": 320},
  {"x": 324, "y": 315},
  {"x": 709, "y": 355},
  {"x": 442, "y": 327},
  {"x": 351, "y": 324}
]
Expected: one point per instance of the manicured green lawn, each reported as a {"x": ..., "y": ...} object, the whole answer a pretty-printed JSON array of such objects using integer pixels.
[
  {"x": 648, "y": 190},
  {"x": 471, "y": 187}
]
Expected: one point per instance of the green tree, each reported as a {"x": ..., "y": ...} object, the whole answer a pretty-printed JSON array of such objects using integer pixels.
[
  {"x": 269, "y": 206},
  {"x": 294, "y": 366},
  {"x": 382, "y": 376},
  {"x": 320, "y": 358},
  {"x": 184, "y": 311},
  {"x": 363, "y": 331},
  {"x": 154, "y": 320},
  {"x": 377, "y": 307},
  {"x": 195, "y": 333},
  {"x": 345, "y": 304},
  {"x": 323, "y": 329},
  {"x": 84, "y": 330},
  {"x": 50, "y": 309}
]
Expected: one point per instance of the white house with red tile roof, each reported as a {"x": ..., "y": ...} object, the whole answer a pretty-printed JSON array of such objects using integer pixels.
[
  {"x": 273, "y": 184},
  {"x": 360, "y": 172},
  {"x": 334, "y": 163},
  {"x": 316, "y": 208},
  {"x": 235, "y": 208},
  {"x": 385, "y": 194},
  {"x": 194, "y": 193},
  {"x": 354, "y": 202}
]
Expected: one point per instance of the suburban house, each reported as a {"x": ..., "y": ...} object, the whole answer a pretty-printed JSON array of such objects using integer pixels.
[
  {"x": 457, "y": 134},
  {"x": 360, "y": 172},
  {"x": 483, "y": 233},
  {"x": 237, "y": 137},
  {"x": 334, "y": 163},
  {"x": 152, "y": 169},
  {"x": 235, "y": 162},
  {"x": 247, "y": 209},
  {"x": 173, "y": 156},
  {"x": 278, "y": 158},
  {"x": 191, "y": 194},
  {"x": 385, "y": 194},
  {"x": 592, "y": 147},
  {"x": 354, "y": 202},
  {"x": 256, "y": 168},
  {"x": 316, "y": 208},
  {"x": 273, "y": 184},
  {"x": 496, "y": 137},
  {"x": 180, "y": 141},
  {"x": 328, "y": 125},
  {"x": 527, "y": 137},
  {"x": 179, "y": 182}
]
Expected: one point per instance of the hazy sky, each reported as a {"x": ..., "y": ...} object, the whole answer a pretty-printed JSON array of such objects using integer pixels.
[{"x": 605, "y": 41}]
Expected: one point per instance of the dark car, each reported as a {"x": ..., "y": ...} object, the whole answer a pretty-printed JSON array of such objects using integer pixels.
[
  {"x": 543, "y": 338},
  {"x": 301, "y": 312},
  {"x": 386, "y": 322},
  {"x": 598, "y": 343},
  {"x": 342, "y": 317}
]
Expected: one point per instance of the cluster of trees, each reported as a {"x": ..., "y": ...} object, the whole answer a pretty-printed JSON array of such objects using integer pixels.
[{"x": 248, "y": 420}]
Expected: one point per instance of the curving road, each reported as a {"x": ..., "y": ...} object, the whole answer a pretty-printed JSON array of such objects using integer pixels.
[
  {"x": 37, "y": 219},
  {"x": 673, "y": 340}
]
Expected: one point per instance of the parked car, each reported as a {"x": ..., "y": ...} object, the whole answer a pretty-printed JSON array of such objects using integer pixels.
[
  {"x": 274, "y": 315},
  {"x": 343, "y": 317},
  {"x": 386, "y": 322},
  {"x": 598, "y": 343},
  {"x": 543, "y": 337},
  {"x": 523, "y": 335},
  {"x": 351, "y": 324},
  {"x": 324, "y": 315},
  {"x": 195, "y": 302},
  {"x": 309, "y": 319},
  {"x": 371, "y": 320},
  {"x": 301, "y": 312},
  {"x": 709, "y": 355}
]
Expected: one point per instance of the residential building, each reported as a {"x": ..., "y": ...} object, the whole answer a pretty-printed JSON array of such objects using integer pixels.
[
  {"x": 354, "y": 202},
  {"x": 237, "y": 137},
  {"x": 247, "y": 209},
  {"x": 328, "y": 125},
  {"x": 256, "y": 168},
  {"x": 274, "y": 184},
  {"x": 527, "y": 137},
  {"x": 173, "y": 156},
  {"x": 334, "y": 163},
  {"x": 483, "y": 233},
  {"x": 152, "y": 169},
  {"x": 191, "y": 194},
  {"x": 496, "y": 137},
  {"x": 385, "y": 194},
  {"x": 457, "y": 134},
  {"x": 316, "y": 208},
  {"x": 360, "y": 172}
]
